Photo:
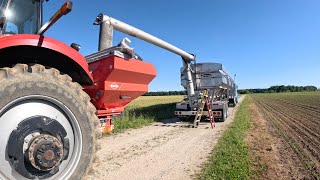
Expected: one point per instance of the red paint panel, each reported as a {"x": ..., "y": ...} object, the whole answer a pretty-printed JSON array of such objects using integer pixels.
[
  {"x": 45, "y": 42},
  {"x": 120, "y": 70},
  {"x": 118, "y": 81}
]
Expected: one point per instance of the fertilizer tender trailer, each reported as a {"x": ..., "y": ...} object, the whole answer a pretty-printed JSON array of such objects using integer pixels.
[
  {"x": 51, "y": 98},
  {"x": 221, "y": 92}
]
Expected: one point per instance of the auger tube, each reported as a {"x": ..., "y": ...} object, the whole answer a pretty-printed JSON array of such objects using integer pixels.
[{"x": 108, "y": 23}]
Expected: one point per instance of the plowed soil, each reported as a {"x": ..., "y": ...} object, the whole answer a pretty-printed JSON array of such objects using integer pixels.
[{"x": 296, "y": 119}]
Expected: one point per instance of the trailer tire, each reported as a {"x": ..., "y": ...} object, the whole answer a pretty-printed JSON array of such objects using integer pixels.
[
  {"x": 224, "y": 117},
  {"x": 35, "y": 94}
]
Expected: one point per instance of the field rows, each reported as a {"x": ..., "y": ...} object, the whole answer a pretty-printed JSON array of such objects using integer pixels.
[{"x": 297, "y": 119}]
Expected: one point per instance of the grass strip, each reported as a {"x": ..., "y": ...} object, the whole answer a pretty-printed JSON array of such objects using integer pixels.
[
  {"x": 146, "y": 110},
  {"x": 230, "y": 158}
]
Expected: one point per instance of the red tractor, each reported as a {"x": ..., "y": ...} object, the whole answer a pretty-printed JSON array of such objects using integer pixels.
[{"x": 53, "y": 98}]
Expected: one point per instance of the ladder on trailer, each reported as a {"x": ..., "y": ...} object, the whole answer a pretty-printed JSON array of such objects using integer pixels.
[
  {"x": 210, "y": 113},
  {"x": 205, "y": 99}
]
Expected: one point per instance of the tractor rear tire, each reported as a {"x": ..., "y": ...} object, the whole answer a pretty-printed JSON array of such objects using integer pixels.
[{"x": 41, "y": 105}]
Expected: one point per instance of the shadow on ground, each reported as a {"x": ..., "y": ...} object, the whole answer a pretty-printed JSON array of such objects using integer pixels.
[
  {"x": 157, "y": 112},
  {"x": 186, "y": 123},
  {"x": 161, "y": 113}
]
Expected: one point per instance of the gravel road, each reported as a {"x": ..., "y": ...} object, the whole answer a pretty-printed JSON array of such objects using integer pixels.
[{"x": 166, "y": 150}]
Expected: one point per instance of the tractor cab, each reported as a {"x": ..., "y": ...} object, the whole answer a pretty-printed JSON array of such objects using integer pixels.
[
  {"x": 20, "y": 16},
  {"x": 25, "y": 16}
]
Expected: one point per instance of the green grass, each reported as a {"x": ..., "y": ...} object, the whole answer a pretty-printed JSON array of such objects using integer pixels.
[
  {"x": 230, "y": 158},
  {"x": 145, "y": 110}
]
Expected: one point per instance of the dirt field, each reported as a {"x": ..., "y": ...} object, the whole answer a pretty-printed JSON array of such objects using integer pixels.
[
  {"x": 295, "y": 119},
  {"x": 166, "y": 150}
]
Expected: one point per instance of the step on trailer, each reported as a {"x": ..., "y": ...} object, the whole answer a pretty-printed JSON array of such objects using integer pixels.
[{"x": 53, "y": 99}]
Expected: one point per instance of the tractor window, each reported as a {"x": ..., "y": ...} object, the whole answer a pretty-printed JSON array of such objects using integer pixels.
[
  {"x": 12, "y": 28},
  {"x": 2, "y": 3},
  {"x": 22, "y": 17}
]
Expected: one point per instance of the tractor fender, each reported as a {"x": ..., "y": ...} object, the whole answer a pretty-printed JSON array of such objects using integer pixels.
[{"x": 31, "y": 48}]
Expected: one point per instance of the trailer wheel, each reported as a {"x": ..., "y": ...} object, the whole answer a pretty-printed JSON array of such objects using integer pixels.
[
  {"x": 224, "y": 116},
  {"x": 48, "y": 127}
]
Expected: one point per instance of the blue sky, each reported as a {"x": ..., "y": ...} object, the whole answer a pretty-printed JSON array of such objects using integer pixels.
[{"x": 265, "y": 43}]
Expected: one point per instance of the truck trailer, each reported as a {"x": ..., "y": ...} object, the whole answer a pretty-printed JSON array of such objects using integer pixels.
[{"x": 221, "y": 92}]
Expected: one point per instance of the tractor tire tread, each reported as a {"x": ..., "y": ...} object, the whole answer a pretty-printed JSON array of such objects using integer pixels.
[{"x": 20, "y": 71}]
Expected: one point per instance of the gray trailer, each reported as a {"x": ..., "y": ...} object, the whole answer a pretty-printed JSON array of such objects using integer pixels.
[{"x": 221, "y": 91}]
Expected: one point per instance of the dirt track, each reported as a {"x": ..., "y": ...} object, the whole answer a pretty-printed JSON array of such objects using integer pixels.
[{"x": 167, "y": 150}]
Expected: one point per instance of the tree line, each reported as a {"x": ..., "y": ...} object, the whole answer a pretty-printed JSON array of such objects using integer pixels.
[
  {"x": 279, "y": 89},
  {"x": 165, "y": 93},
  {"x": 272, "y": 89}
]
